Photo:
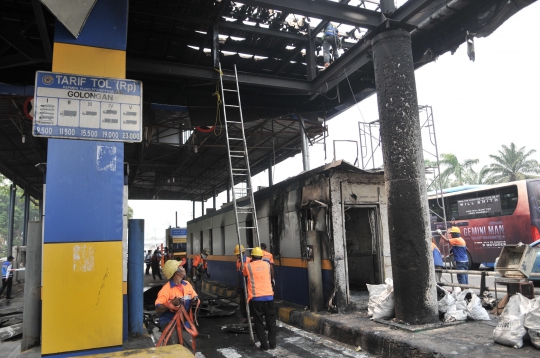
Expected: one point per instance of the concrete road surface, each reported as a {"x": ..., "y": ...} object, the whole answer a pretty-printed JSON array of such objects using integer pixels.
[{"x": 292, "y": 342}]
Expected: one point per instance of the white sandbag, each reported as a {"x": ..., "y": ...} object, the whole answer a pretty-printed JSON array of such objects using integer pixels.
[
  {"x": 461, "y": 303},
  {"x": 384, "y": 306},
  {"x": 532, "y": 322},
  {"x": 446, "y": 302},
  {"x": 374, "y": 292},
  {"x": 475, "y": 311},
  {"x": 453, "y": 314},
  {"x": 510, "y": 330},
  {"x": 456, "y": 292}
]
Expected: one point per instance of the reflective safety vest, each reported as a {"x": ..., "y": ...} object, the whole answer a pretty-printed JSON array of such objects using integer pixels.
[
  {"x": 199, "y": 263},
  {"x": 258, "y": 281},
  {"x": 239, "y": 266},
  {"x": 437, "y": 258},
  {"x": 268, "y": 257},
  {"x": 459, "y": 247},
  {"x": 171, "y": 291},
  {"x": 6, "y": 270}
]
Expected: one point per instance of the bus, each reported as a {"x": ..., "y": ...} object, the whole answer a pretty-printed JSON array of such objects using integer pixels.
[
  {"x": 489, "y": 217},
  {"x": 176, "y": 241}
]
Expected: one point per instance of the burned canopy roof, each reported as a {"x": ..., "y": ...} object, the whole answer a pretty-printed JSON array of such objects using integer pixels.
[{"x": 174, "y": 47}]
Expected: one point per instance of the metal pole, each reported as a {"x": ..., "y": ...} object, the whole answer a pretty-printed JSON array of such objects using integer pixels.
[
  {"x": 193, "y": 209},
  {"x": 32, "y": 288},
  {"x": 214, "y": 197},
  {"x": 202, "y": 206},
  {"x": 270, "y": 176},
  {"x": 11, "y": 218},
  {"x": 414, "y": 280},
  {"x": 228, "y": 191},
  {"x": 305, "y": 150},
  {"x": 26, "y": 214},
  {"x": 135, "y": 279}
]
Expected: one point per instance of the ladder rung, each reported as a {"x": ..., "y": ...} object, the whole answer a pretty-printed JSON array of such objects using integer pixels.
[
  {"x": 229, "y": 90},
  {"x": 232, "y": 105},
  {"x": 236, "y": 122},
  {"x": 239, "y": 169},
  {"x": 238, "y": 174},
  {"x": 236, "y": 139},
  {"x": 224, "y": 75},
  {"x": 247, "y": 227},
  {"x": 237, "y": 156}
]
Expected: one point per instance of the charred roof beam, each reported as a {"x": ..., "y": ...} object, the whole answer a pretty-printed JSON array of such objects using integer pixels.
[
  {"x": 325, "y": 10},
  {"x": 179, "y": 70},
  {"x": 44, "y": 34}
]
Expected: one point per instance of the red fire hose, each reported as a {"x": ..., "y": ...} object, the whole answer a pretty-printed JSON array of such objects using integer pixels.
[{"x": 180, "y": 318}]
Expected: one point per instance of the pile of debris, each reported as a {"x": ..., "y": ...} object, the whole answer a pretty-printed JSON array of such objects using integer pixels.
[{"x": 10, "y": 323}]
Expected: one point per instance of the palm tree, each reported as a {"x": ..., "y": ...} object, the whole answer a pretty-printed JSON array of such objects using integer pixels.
[
  {"x": 484, "y": 176},
  {"x": 513, "y": 164},
  {"x": 455, "y": 167}
]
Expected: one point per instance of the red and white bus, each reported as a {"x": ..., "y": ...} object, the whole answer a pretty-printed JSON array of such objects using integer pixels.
[{"x": 490, "y": 216}]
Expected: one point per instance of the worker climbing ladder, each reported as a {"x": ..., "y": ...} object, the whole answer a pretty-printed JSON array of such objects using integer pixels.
[{"x": 239, "y": 171}]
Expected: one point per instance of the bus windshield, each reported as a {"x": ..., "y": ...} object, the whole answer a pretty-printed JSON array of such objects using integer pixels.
[{"x": 533, "y": 189}]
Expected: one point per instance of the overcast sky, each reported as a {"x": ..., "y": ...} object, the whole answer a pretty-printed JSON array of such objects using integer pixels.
[{"x": 477, "y": 106}]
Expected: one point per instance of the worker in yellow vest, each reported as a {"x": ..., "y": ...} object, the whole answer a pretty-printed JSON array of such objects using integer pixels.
[{"x": 261, "y": 298}]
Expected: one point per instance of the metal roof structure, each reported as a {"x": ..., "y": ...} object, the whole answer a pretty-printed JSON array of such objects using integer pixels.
[{"x": 173, "y": 47}]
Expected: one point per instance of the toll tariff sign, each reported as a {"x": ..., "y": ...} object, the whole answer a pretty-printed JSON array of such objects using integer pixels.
[{"x": 86, "y": 107}]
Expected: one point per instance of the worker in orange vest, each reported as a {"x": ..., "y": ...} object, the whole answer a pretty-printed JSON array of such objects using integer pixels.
[
  {"x": 261, "y": 298},
  {"x": 240, "y": 286},
  {"x": 199, "y": 269},
  {"x": 267, "y": 256}
]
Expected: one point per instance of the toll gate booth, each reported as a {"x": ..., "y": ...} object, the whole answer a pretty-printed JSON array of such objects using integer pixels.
[{"x": 327, "y": 229}]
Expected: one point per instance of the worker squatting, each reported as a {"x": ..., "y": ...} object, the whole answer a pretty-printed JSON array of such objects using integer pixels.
[{"x": 257, "y": 274}]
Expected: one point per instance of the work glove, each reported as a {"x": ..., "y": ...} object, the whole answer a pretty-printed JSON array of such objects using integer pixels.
[
  {"x": 439, "y": 231},
  {"x": 194, "y": 301}
]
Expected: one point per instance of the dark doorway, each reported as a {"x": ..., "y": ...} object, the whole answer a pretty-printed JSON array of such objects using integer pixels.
[{"x": 362, "y": 238}]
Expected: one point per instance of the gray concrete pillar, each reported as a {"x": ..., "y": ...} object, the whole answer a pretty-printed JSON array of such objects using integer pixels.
[
  {"x": 270, "y": 172},
  {"x": 26, "y": 214},
  {"x": 314, "y": 254},
  {"x": 11, "y": 218},
  {"x": 305, "y": 148},
  {"x": 32, "y": 288},
  {"x": 228, "y": 190},
  {"x": 412, "y": 261}
]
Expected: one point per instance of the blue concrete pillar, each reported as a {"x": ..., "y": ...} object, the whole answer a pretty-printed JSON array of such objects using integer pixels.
[{"x": 135, "y": 276}]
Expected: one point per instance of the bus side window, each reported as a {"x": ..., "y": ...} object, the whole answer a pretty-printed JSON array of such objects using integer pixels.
[
  {"x": 436, "y": 210},
  {"x": 509, "y": 199}
]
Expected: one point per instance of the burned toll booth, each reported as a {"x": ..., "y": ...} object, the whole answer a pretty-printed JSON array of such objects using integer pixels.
[{"x": 327, "y": 229}]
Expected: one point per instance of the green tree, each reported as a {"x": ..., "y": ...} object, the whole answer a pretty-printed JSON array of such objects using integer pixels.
[
  {"x": 483, "y": 177},
  {"x": 435, "y": 182},
  {"x": 455, "y": 168},
  {"x": 513, "y": 164},
  {"x": 18, "y": 222}
]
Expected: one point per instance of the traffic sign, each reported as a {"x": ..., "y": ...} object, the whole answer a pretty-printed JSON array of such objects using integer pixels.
[{"x": 87, "y": 107}]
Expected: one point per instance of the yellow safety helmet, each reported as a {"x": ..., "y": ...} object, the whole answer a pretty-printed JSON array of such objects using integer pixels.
[
  {"x": 257, "y": 252},
  {"x": 170, "y": 267},
  {"x": 455, "y": 230},
  {"x": 237, "y": 251}
]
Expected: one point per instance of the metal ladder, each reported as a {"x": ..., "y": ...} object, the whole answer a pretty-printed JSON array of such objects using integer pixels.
[{"x": 239, "y": 171}]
